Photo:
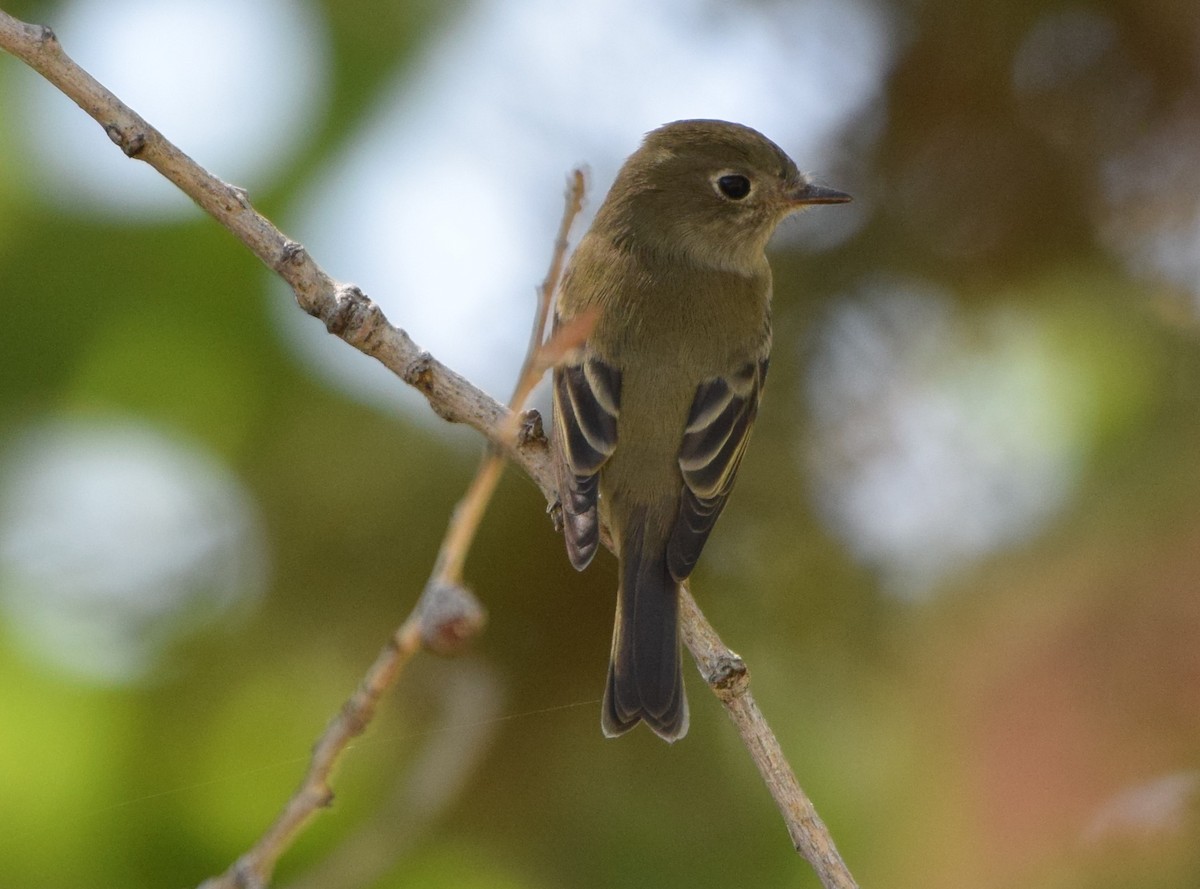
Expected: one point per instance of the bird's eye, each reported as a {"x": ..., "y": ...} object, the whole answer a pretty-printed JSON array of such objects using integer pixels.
[{"x": 734, "y": 186}]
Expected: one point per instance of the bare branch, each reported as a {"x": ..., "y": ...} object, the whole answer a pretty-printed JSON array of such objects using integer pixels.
[
  {"x": 253, "y": 869},
  {"x": 470, "y": 699},
  {"x": 439, "y": 620},
  {"x": 576, "y": 187},
  {"x": 446, "y": 616},
  {"x": 469, "y": 511},
  {"x": 343, "y": 308},
  {"x": 728, "y": 677}
]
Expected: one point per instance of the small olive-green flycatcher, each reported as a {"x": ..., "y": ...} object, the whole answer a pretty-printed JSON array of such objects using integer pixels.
[{"x": 651, "y": 418}]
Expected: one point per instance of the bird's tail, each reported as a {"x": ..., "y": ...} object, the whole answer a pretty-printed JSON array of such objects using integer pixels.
[{"x": 645, "y": 679}]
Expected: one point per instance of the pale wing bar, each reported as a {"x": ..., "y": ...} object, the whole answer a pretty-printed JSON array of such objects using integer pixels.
[
  {"x": 587, "y": 400},
  {"x": 714, "y": 439}
]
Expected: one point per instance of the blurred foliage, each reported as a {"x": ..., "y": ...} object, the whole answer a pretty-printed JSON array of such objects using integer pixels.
[{"x": 972, "y": 738}]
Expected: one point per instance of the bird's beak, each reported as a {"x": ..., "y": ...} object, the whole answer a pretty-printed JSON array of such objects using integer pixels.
[{"x": 808, "y": 193}]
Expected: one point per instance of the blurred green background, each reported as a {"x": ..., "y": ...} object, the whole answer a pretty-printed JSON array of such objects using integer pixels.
[{"x": 963, "y": 561}]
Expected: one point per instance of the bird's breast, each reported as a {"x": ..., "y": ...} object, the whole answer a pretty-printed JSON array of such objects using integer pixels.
[{"x": 667, "y": 334}]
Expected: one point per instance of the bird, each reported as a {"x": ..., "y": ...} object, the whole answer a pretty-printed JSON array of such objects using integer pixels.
[{"x": 652, "y": 413}]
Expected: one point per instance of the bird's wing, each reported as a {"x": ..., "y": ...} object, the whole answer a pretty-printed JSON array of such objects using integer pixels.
[
  {"x": 587, "y": 400},
  {"x": 718, "y": 427}
]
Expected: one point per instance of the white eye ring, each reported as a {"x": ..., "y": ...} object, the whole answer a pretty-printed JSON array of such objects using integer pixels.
[{"x": 732, "y": 185}]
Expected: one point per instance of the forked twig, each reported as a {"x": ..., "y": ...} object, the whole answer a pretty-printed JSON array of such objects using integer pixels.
[
  {"x": 447, "y": 615},
  {"x": 539, "y": 356},
  {"x": 440, "y": 618}
]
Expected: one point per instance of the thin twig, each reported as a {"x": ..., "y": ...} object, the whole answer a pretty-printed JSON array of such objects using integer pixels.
[
  {"x": 469, "y": 511},
  {"x": 446, "y": 616},
  {"x": 350, "y": 315},
  {"x": 576, "y": 187},
  {"x": 470, "y": 700},
  {"x": 254, "y": 868},
  {"x": 343, "y": 308},
  {"x": 728, "y": 677}
]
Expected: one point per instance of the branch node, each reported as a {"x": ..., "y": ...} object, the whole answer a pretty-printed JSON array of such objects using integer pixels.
[
  {"x": 45, "y": 36},
  {"x": 349, "y": 304},
  {"x": 240, "y": 195},
  {"x": 728, "y": 674},
  {"x": 450, "y": 617},
  {"x": 247, "y": 876},
  {"x": 353, "y": 718},
  {"x": 324, "y": 797},
  {"x": 530, "y": 432},
  {"x": 133, "y": 143},
  {"x": 293, "y": 253},
  {"x": 419, "y": 373}
]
